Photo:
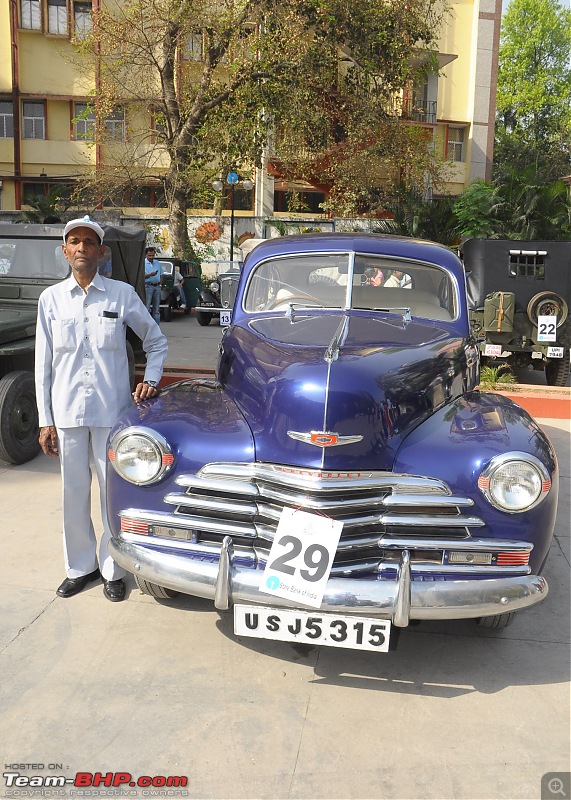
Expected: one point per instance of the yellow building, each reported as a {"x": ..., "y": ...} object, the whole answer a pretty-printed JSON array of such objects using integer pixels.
[{"x": 46, "y": 122}]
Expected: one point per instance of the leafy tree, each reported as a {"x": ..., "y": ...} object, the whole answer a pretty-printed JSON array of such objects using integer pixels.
[
  {"x": 415, "y": 215},
  {"x": 533, "y": 124},
  {"x": 476, "y": 211},
  {"x": 315, "y": 78}
]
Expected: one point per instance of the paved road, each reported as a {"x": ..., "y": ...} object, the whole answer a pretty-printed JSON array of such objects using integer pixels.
[{"x": 165, "y": 688}]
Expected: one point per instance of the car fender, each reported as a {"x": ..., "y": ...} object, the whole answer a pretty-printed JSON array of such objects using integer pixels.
[
  {"x": 459, "y": 441},
  {"x": 200, "y": 423}
]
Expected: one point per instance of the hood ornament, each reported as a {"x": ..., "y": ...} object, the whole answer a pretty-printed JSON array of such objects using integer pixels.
[{"x": 323, "y": 438}]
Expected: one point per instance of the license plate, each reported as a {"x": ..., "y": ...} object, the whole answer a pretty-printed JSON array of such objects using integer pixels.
[
  {"x": 225, "y": 317},
  {"x": 555, "y": 352},
  {"x": 493, "y": 350},
  {"x": 312, "y": 627}
]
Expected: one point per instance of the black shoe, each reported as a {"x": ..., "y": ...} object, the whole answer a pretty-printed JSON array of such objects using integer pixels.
[
  {"x": 114, "y": 590},
  {"x": 73, "y": 586}
]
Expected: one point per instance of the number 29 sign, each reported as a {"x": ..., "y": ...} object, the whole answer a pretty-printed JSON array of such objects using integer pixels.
[{"x": 300, "y": 559}]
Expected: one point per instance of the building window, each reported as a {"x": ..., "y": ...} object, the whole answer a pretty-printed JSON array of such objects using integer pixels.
[
  {"x": 82, "y": 19},
  {"x": 194, "y": 47},
  {"x": 6, "y": 119},
  {"x": 456, "y": 144},
  {"x": 31, "y": 191},
  {"x": 527, "y": 264},
  {"x": 34, "y": 122},
  {"x": 115, "y": 125},
  {"x": 30, "y": 16},
  {"x": 83, "y": 122},
  {"x": 140, "y": 197},
  {"x": 57, "y": 17}
]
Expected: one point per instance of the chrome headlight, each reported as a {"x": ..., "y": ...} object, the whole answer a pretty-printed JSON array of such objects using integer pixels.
[
  {"x": 214, "y": 286},
  {"x": 515, "y": 482},
  {"x": 140, "y": 455}
]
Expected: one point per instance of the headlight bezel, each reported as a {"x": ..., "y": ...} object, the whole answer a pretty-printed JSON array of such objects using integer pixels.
[
  {"x": 165, "y": 455},
  {"x": 500, "y": 462}
]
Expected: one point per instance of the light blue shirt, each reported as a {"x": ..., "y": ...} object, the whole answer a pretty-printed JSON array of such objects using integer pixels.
[
  {"x": 82, "y": 373},
  {"x": 152, "y": 266}
]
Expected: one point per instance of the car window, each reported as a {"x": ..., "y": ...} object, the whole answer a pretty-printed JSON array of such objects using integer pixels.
[
  {"x": 376, "y": 284},
  {"x": 32, "y": 258}
]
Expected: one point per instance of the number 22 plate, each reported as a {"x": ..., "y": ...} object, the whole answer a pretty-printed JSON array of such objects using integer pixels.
[{"x": 312, "y": 627}]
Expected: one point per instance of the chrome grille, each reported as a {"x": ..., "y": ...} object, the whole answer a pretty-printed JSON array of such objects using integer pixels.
[{"x": 382, "y": 512}]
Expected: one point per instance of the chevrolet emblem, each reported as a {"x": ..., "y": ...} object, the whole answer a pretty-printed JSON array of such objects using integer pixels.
[{"x": 323, "y": 438}]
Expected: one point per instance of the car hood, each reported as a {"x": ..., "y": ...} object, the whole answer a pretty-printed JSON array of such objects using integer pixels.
[
  {"x": 322, "y": 391},
  {"x": 17, "y": 324}
]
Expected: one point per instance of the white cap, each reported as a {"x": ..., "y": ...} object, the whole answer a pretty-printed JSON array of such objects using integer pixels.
[{"x": 84, "y": 222}]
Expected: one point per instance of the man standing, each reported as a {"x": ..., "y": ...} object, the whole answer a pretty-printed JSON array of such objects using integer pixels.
[
  {"x": 82, "y": 387},
  {"x": 153, "y": 284}
]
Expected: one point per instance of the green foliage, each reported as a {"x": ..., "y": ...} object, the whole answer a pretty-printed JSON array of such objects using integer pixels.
[
  {"x": 496, "y": 377},
  {"x": 51, "y": 205},
  {"x": 415, "y": 215},
  {"x": 476, "y": 211},
  {"x": 534, "y": 90}
]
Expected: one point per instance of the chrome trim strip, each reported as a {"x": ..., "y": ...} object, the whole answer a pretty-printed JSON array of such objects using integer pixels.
[
  {"x": 188, "y": 521},
  {"x": 222, "y": 593},
  {"x": 212, "y": 485},
  {"x": 438, "y": 599},
  {"x": 448, "y": 501},
  {"x": 322, "y": 480},
  {"x": 407, "y": 520},
  {"x": 194, "y": 501},
  {"x": 478, "y": 545},
  {"x": 401, "y": 615}
]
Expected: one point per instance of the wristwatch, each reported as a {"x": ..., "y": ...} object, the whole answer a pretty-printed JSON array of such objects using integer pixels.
[{"x": 151, "y": 383}]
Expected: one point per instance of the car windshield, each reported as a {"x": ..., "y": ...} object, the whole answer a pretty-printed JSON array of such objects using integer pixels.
[
  {"x": 343, "y": 281},
  {"x": 32, "y": 258}
]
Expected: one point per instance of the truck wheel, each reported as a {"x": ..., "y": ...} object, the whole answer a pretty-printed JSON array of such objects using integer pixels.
[
  {"x": 19, "y": 428},
  {"x": 557, "y": 370},
  {"x": 160, "y": 592},
  {"x": 203, "y": 318},
  {"x": 497, "y": 622}
]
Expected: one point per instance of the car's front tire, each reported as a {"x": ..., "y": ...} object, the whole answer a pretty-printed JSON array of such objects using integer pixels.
[
  {"x": 203, "y": 318},
  {"x": 497, "y": 622},
  {"x": 154, "y": 590}
]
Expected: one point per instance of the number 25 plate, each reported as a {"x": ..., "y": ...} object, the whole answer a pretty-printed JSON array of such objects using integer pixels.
[{"x": 312, "y": 627}]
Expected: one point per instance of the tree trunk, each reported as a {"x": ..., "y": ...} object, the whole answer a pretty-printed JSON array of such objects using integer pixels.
[{"x": 181, "y": 245}]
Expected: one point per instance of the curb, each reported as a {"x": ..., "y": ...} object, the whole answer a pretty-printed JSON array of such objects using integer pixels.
[{"x": 549, "y": 402}]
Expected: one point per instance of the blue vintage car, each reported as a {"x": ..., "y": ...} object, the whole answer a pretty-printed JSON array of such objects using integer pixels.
[{"x": 342, "y": 474}]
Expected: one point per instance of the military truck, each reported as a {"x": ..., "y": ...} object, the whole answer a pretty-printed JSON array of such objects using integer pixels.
[
  {"x": 518, "y": 296},
  {"x": 31, "y": 259}
]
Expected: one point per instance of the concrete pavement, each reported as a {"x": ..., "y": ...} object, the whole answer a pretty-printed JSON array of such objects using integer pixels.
[{"x": 166, "y": 689}]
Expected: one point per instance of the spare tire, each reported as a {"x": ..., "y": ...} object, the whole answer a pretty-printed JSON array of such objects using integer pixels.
[{"x": 547, "y": 304}]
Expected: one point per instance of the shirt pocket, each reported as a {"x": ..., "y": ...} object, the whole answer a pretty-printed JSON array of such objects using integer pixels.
[
  {"x": 64, "y": 338},
  {"x": 110, "y": 333}
]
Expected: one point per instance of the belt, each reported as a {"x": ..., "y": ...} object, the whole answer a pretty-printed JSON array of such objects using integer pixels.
[{"x": 152, "y": 284}]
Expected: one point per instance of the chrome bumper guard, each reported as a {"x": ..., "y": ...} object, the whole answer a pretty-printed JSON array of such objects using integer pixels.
[{"x": 401, "y": 600}]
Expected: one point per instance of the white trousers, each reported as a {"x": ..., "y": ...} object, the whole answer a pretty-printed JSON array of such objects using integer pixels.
[{"x": 76, "y": 445}]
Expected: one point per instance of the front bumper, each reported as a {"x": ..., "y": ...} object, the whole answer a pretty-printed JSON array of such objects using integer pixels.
[{"x": 225, "y": 581}]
